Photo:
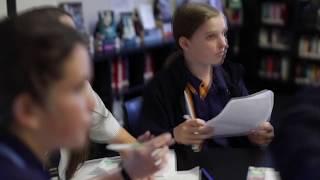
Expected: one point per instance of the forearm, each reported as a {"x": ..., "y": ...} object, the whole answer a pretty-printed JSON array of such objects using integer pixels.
[{"x": 123, "y": 137}]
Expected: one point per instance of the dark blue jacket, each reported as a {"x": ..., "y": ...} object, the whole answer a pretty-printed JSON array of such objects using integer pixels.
[
  {"x": 18, "y": 162},
  {"x": 164, "y": 103}
]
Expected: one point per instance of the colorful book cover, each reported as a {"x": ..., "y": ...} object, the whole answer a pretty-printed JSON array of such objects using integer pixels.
[
  {"x": 75, "y": 9},
  {"x": 148, "y": 70}
]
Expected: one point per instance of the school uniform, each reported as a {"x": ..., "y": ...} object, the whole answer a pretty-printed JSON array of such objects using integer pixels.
[
  {"x": 18, "y": 162},
  {"x": 164, "y": 101}
]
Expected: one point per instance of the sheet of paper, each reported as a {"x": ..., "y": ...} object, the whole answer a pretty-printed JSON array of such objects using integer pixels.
[
  {"x": 94, "y": 168},
  {"x": 192, "y": 174},
  {"x": 171, "y": 166},
  {"x": 106, "y": 165},
  {"x": 241, "y": 115}
]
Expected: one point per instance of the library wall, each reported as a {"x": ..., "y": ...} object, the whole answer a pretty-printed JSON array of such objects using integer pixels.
[
  {"x": 3, "y": 8},
  {"x": 90, "y": 7},
  {"x": 26, "y": 4}
]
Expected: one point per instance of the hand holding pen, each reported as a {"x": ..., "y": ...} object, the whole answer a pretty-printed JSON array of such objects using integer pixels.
[
  {"x": 144, "y": 159},
  {"x": 192, "y": 132}
]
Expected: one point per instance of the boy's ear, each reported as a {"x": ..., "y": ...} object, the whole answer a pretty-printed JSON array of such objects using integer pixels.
[
  {"x": 184, "y": 43},
  {"x": 26, "y": 112}
]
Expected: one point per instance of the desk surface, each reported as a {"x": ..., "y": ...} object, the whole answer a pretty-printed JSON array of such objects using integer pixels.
[
  {"x": 222, "y": 163},
  {"x": 226, "y": 163}
]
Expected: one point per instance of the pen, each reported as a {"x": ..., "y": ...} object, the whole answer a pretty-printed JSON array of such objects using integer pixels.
[
  {"x": 121, "y": 147},
  {"x": 206, "y": 174},
  {"x": 195, "y": 148}
]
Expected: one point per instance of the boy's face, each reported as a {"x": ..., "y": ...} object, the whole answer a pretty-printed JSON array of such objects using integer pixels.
[
  {"x": 65, "y": 119},
  {"x": 208, "y": 44}
]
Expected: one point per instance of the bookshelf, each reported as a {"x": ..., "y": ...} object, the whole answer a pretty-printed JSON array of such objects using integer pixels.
[
  {"x": 101, "y": 56},
  {"x": 287, "y": 45},
  {"x": 129, "y": 52},
  {"x": 307, "y": 55},
  {"x": 233, "y": 9},
  {"x": 123, "y": 74},
  {"x": 271, "y": 52},
  {"x": 274, "y": 41}
]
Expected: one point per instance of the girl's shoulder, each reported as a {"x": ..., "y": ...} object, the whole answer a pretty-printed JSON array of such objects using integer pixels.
[{"x": 233, "y": 68}]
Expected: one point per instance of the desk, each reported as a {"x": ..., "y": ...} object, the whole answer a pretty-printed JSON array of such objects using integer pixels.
[
  {"x": 222, "y": 163},
  {"x": 225, "y": 163}
]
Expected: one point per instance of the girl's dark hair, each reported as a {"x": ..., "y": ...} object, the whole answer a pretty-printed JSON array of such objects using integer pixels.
[
  {"x": 34, "y": 47},
  {"x": 78, "y": 156},
  {"x": 188, "y": 18},
  {"x": 76, "y": 160},
  {"x": 33, "y": 52},
  {"x": 50, "y": 12}
]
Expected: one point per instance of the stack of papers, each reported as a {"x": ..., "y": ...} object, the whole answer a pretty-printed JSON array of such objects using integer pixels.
[
  {"x": 262, "y": 173},
  {"x": 243, "y": 114},
  {"x": 192, "y": 174},
  {"x": 98, "y": 167}
]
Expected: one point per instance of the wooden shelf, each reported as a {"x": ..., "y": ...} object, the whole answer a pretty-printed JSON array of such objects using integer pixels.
[
  {"x": 310, "y": 57},
  {"x": 273, "y": 48},
  {"x": 101, "y": 56},
  {"x": 272, "y": 22}
]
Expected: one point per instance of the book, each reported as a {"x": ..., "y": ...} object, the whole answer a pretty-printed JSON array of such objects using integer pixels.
[{"x": 75, "y": 10}]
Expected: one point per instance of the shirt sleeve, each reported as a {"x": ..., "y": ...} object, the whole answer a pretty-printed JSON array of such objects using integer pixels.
[{"x": 104, "y": 127}]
